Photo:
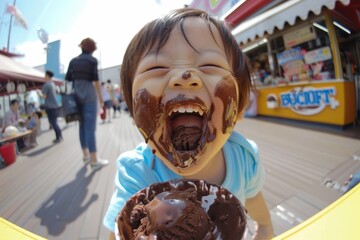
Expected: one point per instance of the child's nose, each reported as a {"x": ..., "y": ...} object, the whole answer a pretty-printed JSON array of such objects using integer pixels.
[{"x": 187, "y": 79}]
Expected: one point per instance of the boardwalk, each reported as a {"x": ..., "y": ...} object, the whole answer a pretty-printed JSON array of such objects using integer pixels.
[{"x": 50, "y": 192}]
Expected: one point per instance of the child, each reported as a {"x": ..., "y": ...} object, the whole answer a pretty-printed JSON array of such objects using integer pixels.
[
  {"x": 186, "y": 83},
  {"x": 32, "y": 123}
]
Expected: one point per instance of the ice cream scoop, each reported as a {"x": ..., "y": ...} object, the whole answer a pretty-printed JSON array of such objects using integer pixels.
[{"x": 182, "y": 209}]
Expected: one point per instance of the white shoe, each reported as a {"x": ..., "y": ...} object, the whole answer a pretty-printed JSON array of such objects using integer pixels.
[{"x": 99, "y": 164}]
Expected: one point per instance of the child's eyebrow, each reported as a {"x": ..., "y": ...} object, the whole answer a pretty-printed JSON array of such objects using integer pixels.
[
  {"x": 156, "y": 53},
  {"x": 214, "y": 51},
  {"x": 151, "y": 53}
]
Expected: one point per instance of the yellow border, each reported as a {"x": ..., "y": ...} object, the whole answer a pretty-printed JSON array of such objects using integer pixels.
[
  {"x": 10, "y": 231},
  {"x": 340, "y": 220}
]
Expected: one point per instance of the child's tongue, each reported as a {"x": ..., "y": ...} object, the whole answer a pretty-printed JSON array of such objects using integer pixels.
[
  {"x": 186, "y": 131},
  {"x": 186, "y": 120}
]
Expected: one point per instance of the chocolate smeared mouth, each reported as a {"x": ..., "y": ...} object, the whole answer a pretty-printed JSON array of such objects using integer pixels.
[
  {"x": 186, "y": 129},
  {"x": 185, "y": 125}
]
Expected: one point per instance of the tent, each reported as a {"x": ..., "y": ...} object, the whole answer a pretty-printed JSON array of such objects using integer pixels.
[{"x": 16, "y": 77}]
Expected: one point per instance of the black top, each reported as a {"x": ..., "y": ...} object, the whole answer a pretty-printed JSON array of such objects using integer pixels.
[{"x": 83, "y": 67}]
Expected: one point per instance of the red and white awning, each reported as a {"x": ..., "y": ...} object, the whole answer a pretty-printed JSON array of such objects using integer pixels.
[
  {"x": 279, "y": 15},
  {"x": 18, "y": 73}
]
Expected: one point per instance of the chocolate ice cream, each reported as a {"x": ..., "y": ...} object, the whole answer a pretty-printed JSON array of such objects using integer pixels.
[{"x": 182, "y": 209}]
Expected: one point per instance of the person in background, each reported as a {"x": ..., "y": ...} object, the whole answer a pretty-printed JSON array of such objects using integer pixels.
[
  {"x": 114, "y": 100},
  {"x": 122, "y": 103},
  {"x": 107, "y": 103},
  {"x": 12, "y": 118},
  {"x": 252, "y": 106},
  {"x": 83, "y": 72},
  {"x": 32, "y": 123},
  {"x": 186, "y": 83},
  {"x": 51, "y": 106}
]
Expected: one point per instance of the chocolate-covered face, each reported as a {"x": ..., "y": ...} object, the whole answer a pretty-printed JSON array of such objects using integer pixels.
[{"x": 185, "y": 100}]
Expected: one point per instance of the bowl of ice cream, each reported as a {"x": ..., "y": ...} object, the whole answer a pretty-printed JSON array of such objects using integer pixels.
[
  {"x": 182, "y": 209},
  {"x": 271, "y": 101}
]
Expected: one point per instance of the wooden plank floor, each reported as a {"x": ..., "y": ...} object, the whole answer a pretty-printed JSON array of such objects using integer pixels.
[
  {"x": 297, "y": 162},
  {"x": 50, "y": 192}
]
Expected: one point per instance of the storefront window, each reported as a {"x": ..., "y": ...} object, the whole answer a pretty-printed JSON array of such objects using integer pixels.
[
  {"x": 348, "y": 45},
  {"x": 259, "y": 61},
  {"x": 303, "y": 54}
]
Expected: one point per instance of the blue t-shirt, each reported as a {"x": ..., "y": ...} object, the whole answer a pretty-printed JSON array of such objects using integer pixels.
[
  {"x": 244, "y": 173},
  {"x": 50, "y": 92}
]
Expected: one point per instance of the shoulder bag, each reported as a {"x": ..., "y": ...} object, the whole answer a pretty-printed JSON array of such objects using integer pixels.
[{"x": 70, "y": 105}]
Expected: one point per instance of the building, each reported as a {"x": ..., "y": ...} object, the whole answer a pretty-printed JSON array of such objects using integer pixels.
[
  {"x": 305, "y": 57},
  {"x": 112, "y": 73}
]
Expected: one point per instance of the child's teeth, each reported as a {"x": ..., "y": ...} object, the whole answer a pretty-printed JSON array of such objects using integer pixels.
[{"x": 188, "y": 109}]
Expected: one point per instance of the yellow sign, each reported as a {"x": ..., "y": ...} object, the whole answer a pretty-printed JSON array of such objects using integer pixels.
[
  {"x": 299, "y": 36},
  {"x": 330, "y": 102}
]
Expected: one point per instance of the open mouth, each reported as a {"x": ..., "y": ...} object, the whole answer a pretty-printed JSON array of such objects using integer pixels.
[
  {"x": 186, "y": 131},
  {"x": 186, "y": 125}
]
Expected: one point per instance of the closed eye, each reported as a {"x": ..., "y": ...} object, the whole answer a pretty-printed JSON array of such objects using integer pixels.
[
  {"x": 210, "y": 65},
  {"x": 155, "y": 68}
]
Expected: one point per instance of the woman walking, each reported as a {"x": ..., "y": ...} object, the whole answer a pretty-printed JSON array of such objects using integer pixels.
[{"x": 83, "y": 72}]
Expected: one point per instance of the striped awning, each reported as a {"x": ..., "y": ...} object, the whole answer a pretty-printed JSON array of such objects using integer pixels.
[
  {"x": 18, "y": 73},
  {"x": 276, "y": 17}
]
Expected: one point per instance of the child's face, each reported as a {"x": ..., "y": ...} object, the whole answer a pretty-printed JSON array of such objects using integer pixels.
[{"x": 186, "y": 101}]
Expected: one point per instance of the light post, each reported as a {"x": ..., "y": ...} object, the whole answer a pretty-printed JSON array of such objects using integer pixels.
[{"x": 9, "y": 33}]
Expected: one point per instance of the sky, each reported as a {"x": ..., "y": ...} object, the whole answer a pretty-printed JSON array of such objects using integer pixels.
[{"x": 111, "y": 23}]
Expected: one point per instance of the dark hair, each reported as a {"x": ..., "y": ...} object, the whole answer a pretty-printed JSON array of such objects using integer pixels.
[
  {"x": 49, "y": 73},
  {"x": 157, "y": 32},
  {"x": 12, "y": 102},
  {"x": 88, "y": 45}
]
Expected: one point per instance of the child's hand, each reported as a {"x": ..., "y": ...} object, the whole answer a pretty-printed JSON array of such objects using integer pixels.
[{"x": 263, "y": 232}]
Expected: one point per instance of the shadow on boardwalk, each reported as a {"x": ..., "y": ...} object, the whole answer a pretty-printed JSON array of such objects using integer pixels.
[
  {"x": 52, "y": 213},
  {"x": 39, "y": 150}
]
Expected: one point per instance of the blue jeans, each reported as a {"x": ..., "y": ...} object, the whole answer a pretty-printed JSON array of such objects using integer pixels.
[
  {"x": 88, "y": 126},
  {"x": 52, "y": 116}
]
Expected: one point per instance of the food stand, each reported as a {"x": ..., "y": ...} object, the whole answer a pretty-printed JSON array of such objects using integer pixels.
[
  {"x": 305, "y": 60},
  {"x": 16, "y": 79}
]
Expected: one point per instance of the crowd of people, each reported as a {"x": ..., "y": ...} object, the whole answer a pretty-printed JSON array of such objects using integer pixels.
[
  {"x": 89, "y": 96},
  {"x": 112, "y": 100},
  {"x": 13, "y": 123}
]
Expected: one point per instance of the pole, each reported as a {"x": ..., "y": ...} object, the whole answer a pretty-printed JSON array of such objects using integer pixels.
[
  {"x": 2, "y": 20},
  {"x": 9, "y": 34}
]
